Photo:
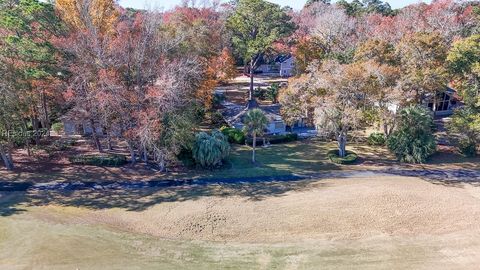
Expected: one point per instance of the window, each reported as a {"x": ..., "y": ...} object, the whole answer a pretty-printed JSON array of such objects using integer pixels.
[
  {"x": 279, "y": 125},
  {"x": 443, "y": 102}
]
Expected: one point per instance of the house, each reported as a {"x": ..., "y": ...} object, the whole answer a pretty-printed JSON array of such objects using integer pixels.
[
  {"x": 76, "y": 122},
  {"x": 283, "y": 66},
  {"x": 287, "y": 67},
  {"x": 444, "y": 103},
  {"x": 234, "y": 115}
]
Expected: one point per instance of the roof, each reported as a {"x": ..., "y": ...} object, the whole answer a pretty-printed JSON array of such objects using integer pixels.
[
  {"x": 449, "y": 91},
  {"x": 234, "y": 113},
  {"x": 283, "y": 58},
  {"x": 75, "y": 115},
  {"x": 277, "y": 60}
]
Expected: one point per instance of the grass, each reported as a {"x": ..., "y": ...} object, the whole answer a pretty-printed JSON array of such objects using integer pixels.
[
  {"x": 284, "y": 159},
  {"x": 302, "y": 157},
  {"x": 36, "y": 244},
  {"x": 33, "y": 244}
]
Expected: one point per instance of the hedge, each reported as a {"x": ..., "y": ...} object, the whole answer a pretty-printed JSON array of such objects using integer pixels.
[
  {"x": 350, "y": 158},
  {"x": 103, "y": 160},
  {"x": 234, "y": 135},
  {"x": 275, "y": 139},
  {"x": 377, "y": 139}
]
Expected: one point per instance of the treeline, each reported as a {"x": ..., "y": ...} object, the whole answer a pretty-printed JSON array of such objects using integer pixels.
[
  {"x": 147, "y": 77},
  {"x": 371, "y": 68},
  {"x": 142, "y": 76}
]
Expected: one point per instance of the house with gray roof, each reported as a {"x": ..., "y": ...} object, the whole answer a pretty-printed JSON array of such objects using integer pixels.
[{"x": 234, "y": 114}]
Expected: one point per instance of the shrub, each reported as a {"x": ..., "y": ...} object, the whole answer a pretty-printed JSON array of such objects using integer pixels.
[
  {"x": 186, "y": 158},
  {"x": 272, "y": 92},
  {"x": 349, "y": 158},
  {"x": 377, "y": 139},
  {"x": 465, "y": 125},
  {"x": 210, "y": 150},
  {"x": 467, "y": 148},
  {"x": 233, "y": 135},
  {"x": 215, "y": 118},
  {"x": 99, "y": 160},
  {"x": 259, "y": 93},
  {"x": 57, "y": 127},
  {"x": 276, "y": 139},
  {"x": 413, "y": 141}
]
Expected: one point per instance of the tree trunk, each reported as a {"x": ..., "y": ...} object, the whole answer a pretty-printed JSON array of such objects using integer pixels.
[
  {"x": 27, "y": 138},
  {"x": 342, "y": 144},
  {"x": 133, "y": 157},
  {"x": 95, "y": 137},
  {"x": 6, "y": 157},
  {"x": 250, "y": 94},
  {"x": 145, "y": 155},
  {"x": 254, "y": 146},
  {"x": 35, "y": 123},
  {"x": 385, "y": 129},
  {"x": 45, "y": 111},
  {"x": 109, "y": 142},
  {"x": 161, "y": 163}
]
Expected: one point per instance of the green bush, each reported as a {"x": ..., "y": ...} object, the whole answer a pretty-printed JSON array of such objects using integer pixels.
[
  {"x": 186, "y": 158},
  {"x": 57, "y": 127},
  {"x": 260, "y": 93},
  {"x": 209, "y": 151},
  {"x": 413, "y": 141},
  {"x": 468, "y": 148},
  {"x": 465, "y": 126},
  {"x": 99, "y": 160},
  {"x": 350, "y": 158},
  {"x": 278, "y": 139},
  {"x": 272, "y": 92},
  {"x": 275, "y": 139},
  {"x": 233, "y": 135},
  {"x": 377, "y": 139}
]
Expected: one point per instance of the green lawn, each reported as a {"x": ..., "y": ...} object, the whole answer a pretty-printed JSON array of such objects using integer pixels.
[
  {"x": 302, "y": 157},
  {"x": 285, "y": 159}
]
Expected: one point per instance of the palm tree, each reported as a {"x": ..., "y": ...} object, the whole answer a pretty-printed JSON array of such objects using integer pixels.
[{"x": 255, "y": 124}]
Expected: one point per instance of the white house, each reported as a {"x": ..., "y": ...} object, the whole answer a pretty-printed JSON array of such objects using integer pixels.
[
  {"x": 283, "y": 66},
  {"x": 287, "y": 67}
]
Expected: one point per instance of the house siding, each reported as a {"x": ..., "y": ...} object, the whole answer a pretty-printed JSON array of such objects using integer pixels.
[{"x": 287, "y": 67}]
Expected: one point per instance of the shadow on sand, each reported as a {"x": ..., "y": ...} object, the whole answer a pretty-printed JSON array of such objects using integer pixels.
[{"x": 138, "y": 196}]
